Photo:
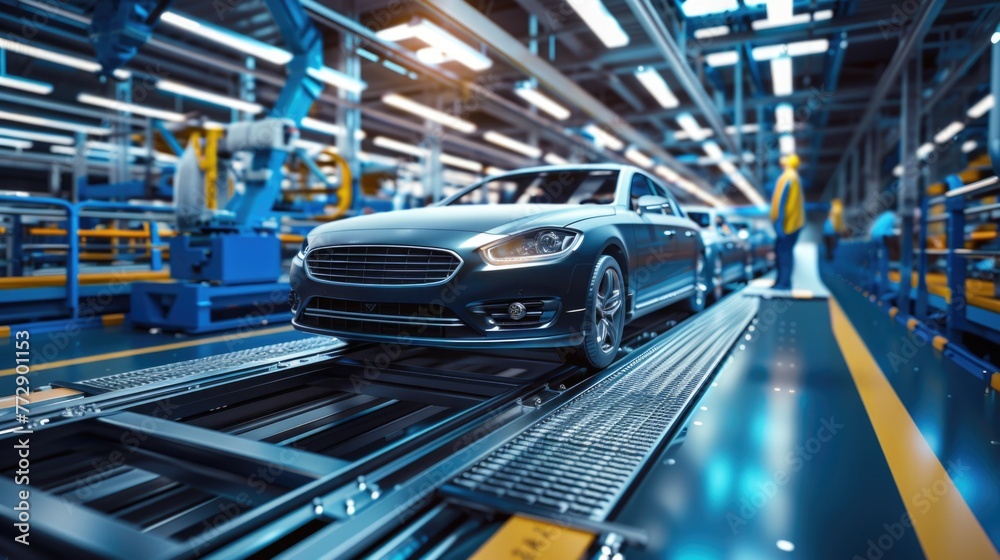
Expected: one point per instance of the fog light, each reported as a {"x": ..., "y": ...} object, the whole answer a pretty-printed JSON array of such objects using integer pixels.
[{"x": 516, "y": 311}]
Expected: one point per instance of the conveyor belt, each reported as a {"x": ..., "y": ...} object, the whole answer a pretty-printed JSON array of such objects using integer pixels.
[
  {"x": 215, "y": 364},
  {"x": 581, "y": 458}
]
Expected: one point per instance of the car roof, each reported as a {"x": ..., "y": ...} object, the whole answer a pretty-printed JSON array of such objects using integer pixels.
[{"x": 572, "y": 167}]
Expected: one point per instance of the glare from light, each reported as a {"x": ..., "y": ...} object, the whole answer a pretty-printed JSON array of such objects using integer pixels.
[
  {"x": 428, "y": 113},
  {"x": 727, "y": 167},
  {"x": 657, "y": 87},
  {"x": 785, "y": 546},
  {"x": 787, "y": 144},
  {"x": 710, "y": 32},
  {"x": 780, "y": 10},
  {"x": 16, "y": 144},
  {"x": 545, "y": 103},
  {"x": 691, "y": 127},
  {"x": 607, "y": 140},
  {"x": 332, "y": 129},
  {"x": 337, "y": 79},
  {"x": 229, "y": 39},
  {"x": 781, "y": 76},
  {"x": 447, "y": 46},
  {"x": 511, "y": 144},
  {"x": 24, "y": 84},
  {"x": 995, "y": 38},
  {"x": 555, "y": 159},
  {"x": 746, "y": 129},
  {"x": 189, "y": 92},
  {"x": 947, "y": 133},
  {"x": 638, "y": 158},
  {"x": 969, "y": 146},
  {"x": 725, "y": 58},
  {"x": 37, "y": 136},
  {"x": 601, "y": 22},
  {"x": 784, "y": 116},
  {"x": 700, "y": 8},
  {"x": 401, "y": 147},
  {"x": 461, "y": 163},
  {"x": 982, "y": 107},
  {"x": 52, "y": 123},
  {"x": 121, "y": 106},
  {"x": 667, "y": 173},
  {"x": 713, "y": 150},
  {"x": 495, "y": 171},
  {"x": 50, "y": 56},
  {"x": 897, "y": 171}
]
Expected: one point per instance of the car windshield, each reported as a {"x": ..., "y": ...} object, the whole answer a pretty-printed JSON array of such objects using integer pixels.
[
  {"x": 570, "y": 186},
  {"x": 703, "y": 219}
]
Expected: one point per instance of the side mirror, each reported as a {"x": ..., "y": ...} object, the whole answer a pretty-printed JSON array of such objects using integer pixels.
[{"x": 651, "y": 202}]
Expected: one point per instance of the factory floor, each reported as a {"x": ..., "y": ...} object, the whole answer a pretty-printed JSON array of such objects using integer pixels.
[{"x": 832, "y": 432}]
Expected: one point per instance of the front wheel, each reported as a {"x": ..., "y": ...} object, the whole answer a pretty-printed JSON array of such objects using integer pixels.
[
  {"x": 717, "y": 288},
  {"x": 604, "y": 317}
]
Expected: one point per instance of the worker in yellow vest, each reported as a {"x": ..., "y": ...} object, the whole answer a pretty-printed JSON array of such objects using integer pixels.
[
  {"x": 788, "y": 214},
  {"x": 833, "y": 228}
]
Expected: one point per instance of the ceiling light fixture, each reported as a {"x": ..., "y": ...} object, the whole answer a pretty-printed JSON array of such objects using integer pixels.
[
  {"x": 24, "y": 84},
  {"x": 638, "y": 158},
  {"x": 657, "y": 87},
  {"x": 337, "y": 79},
  {"x": 531, "y": 94},
  {"x": 37, "y": 136},
  {"x": 781, "y": 76},
  {"x": 691, "y": 127},
  {"x": 725, "y": 58},
  {"x": 969, "y": 146},
  {"x": 446, "y": 43},
  {"x": 801, "y": 48},
  {"x": 124, "y": 107},
  {"x": 607, "y": 140},
  {"x": 949, "y": 132},
  {"x": 711, "y": 32},
  {"x": 784, "y": 116},
  {"x": 555, "y": 159},
  {"x": 601, "y": 22},
  {"x": 428, "y": 113},
  {"x": 512, "y": 144},
  {"x": 227, "y": 38},
  {"x": 16, "y": 144},
  {"x": 982, "y": 107},
  {"x": 786, "y": 144},
  {"x": 700, "y": 8},
  {"x": 208, "y": 97},
  {"x": 53, "y": 123}
]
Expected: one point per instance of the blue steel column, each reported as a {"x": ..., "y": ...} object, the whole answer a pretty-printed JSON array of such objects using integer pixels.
[
  {"x": 349, "y": 115},
  {"x": 994, "y": 130},
  {"x": 909, "y": 123}
]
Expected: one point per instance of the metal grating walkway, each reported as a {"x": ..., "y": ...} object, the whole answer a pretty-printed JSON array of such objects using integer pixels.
[
  {"x": 210, "y": 364},
  {"x": 581, "y": 458}
]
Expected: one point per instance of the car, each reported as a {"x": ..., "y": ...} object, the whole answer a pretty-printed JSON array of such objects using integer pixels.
[
  {"x": 727, "y": 255},
  {"x": 760, "y": 235},
  {"x": 545, "y": 257}
]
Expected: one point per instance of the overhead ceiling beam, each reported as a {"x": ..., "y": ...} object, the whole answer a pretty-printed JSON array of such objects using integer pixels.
[
  {"x": 909, "y": 45},
  {"x": 671, "y": 51},
  {"x": 462, "y": 15}
]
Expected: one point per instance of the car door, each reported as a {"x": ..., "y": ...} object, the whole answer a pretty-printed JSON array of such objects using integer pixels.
[
  {"x": 732, "y": 249},
  {"x": 662, "y": 266},
  {"x": 682, "y": 246},
  {"x": 647, "y": 274}
]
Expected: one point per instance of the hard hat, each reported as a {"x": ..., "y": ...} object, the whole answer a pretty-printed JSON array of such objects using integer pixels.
[{"x": 791, "y": 161}]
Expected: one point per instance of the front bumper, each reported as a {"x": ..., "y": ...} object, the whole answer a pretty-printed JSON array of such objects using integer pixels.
[{"x": 453, "y": 314}]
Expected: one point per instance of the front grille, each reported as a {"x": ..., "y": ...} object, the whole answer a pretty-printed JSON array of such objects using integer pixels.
[
  {"x": 382, "y": 265},
  {"x": 410, "y": 320}
]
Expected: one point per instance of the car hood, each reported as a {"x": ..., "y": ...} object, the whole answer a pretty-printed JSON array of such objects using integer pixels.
[{"x": 498, "y": 219}]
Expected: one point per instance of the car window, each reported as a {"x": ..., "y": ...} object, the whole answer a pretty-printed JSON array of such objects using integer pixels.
[
  {"x": 723, "y": 226},
  {"x": 703, "y": 219},
  {"x": 584, "y": 186},
  {"x": 641, "y": 186}
]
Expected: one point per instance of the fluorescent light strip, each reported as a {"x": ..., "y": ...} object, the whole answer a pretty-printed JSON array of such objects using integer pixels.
[
  {"x": 495, "y": 171},
  {"x": 52, "y": 123},
  {"x": 332, "y": 129},
  {"x": 122, "y": 106},
  {"x": 208, "y": 97},
  {"x": 132, "y": 150},
  {"x": 638, "y": 158},
  {"x": 714, "y": 151},
  {"x": 542, "y": 101},
  {"x": 801, "y": 48},
  {"x": 694, "y": 190},
  {"x": 666, "y": 173},
  {"x": 710, "y": 32},
  {"x": 925, "y": 150},
  {"x": 781, "y": 76},
  {"x": 897, "y": 171},
  {"x": 16, "y": 144},
  {"x": 657, "y": 87},
  {"x": 512, "y": 144},
  {"x": 725, "y": 58},
  {"x": 747, "y": 129},
  {"x": 37, "y": 136},
  {"x": 401, "y": 147},
  {"x": 461, "y": 163},
  {"x": 690, "y": 125},
  {"x": 607, "y": 140},
  {"x": 554, "y": 159},
  {"x": 768, "y": 23},
  {"x": 700, "y": 8},
  {"x": 982, "y": 107},
  {"x": 969, "y": 146},
  {"x": 337, "y": 79},
  {"x": 50, "y": 56},
  {"x": 784, "y": 117},
  {"x": 949, "y": 132},
  {"x": 780, "y": 10},
  {"x": 227, "y": 38},
  {"x": 787, "y": 144},
  {"x": 24, "y": 84},
  {"x": 421, "y": 110},
  {"x": 727, "y": 167},
  {"x": 747, "y": 189},
  {"x": 442, "y": 42},
  {"x": 601, "y": 22}
]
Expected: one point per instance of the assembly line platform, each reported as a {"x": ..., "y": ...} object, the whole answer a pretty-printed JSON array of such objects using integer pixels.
[{"x": 817, "y": 428}]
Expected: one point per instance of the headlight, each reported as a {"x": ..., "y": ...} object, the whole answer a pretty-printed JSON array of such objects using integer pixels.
[
  {"x": 302, "y": 251},
  {"x": 532, "y": 246}
]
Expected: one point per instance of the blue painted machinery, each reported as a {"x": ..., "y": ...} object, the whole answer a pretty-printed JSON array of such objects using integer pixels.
[{"x": 226, "y": 261}]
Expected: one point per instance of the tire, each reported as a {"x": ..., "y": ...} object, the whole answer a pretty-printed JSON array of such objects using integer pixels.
[
  {"x": 717, "y": 285},
  {"x": 696, "y": 303},
  {"x": 604, "y": 318}
]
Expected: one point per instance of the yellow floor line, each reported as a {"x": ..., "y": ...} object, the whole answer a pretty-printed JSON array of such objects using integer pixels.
[
  {"x": 946, "y": 528},
  {"x": 151, "y": 349}
]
